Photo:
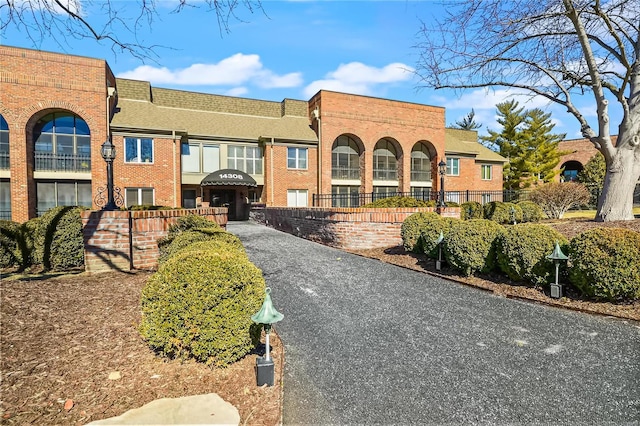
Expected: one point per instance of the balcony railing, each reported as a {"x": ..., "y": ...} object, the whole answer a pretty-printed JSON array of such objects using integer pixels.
[
  {"x": 5, "y": 213},
  {"x": 421, "y": 176},
  {"x": 382, "y": 174},
  {"x": 345, "y": 173},
  {"x": 4, "y": 161},
  {"x": 48, "y": 162}
]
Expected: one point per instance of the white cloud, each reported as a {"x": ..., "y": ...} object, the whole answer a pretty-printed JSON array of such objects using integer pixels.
[
  {"x": 237, "y": 91},
  {"x": 361, "y": 79},
  {"x": 24, "y": 6},
  {"x": 238, "y": 69},
  {"x": 488, "y": 99}
]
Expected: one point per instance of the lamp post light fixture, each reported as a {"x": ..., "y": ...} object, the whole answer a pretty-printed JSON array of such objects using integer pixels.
[
  {"x": 442, "y": 168},
  {"x": 557, "y": 256},
  {"x": 267, "y": 315},
  {"x": 108, "y": 152},
  {"x": 439, "y": 244}
]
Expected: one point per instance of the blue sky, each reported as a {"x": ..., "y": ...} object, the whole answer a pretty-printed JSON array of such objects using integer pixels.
[{"x": 292, "y": 50}]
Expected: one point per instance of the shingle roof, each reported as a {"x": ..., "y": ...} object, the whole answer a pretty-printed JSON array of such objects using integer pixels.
[
  {"x": 203, "y": 115},
  {"x": 459, "y": 141}
]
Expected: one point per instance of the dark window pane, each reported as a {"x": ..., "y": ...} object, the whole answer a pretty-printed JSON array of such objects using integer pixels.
[
  {"x": 82, "y": 128},
  {"x": 131, "y": 149},
  {"x": 3, "y": 123},
  {"x": 44, "y": 142},
  {"x": 83, "y": 145},
  {"x": 46, "y": 196},
  {"x": 84, "y": 194},
  {"x": 64, "y": 124},
  {"x": 147, "y": 196},
  {"x": 131, "y": 195},
  {"x": 146, "y": 148},
  {"x": 66, "y": 194},
  {"x": 64, "y": 144}
]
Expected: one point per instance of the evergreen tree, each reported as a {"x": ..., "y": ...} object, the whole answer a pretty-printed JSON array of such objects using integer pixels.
[
  {"x": 468, "y": 122},
  {"x": 593, "y": 172},
  {"x": 527, "y": 142}
]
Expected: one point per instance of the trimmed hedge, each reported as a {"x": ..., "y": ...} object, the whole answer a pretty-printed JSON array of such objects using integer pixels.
[
  {"x": 501, "y": 212},
  {"x": 412, "y": 227},
  {"x": 471, "y": 210},
  {"x": 199, "y": 305},
  {"x": 9, "y": 249},
  {"x": 398, "y": 201},
  {"x": 470, "y": 245},
  {"x": 522, "y": 250},
  {"x": 605, "y": 263},
  {"x": 181, "y": 241},
  {"x": 191, "y": 221},
  {"x": 430, "y": 234},
  {"x": 531, "y": 212},
  {"x": 58, "y": 242}
]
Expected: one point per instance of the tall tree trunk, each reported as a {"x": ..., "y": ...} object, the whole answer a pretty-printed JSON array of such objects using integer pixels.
[{"x": 616, "y": 201}]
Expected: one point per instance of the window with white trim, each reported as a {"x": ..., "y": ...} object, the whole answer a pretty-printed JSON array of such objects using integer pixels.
[
  {"x": 247, "y": 159},
  {"x": 297, "y": 158},
  {"x": 138, "y": 150},
  {"x": 200, "y": 158},
  {"x": 62, "y": 193},
  {"x": 485, "y": 171},
  {"x": 453, "y": 166},
  {"x": 297, "y": 197},
  {"x": 138, "y": 197}
]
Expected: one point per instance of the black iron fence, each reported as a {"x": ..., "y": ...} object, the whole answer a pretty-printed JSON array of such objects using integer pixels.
[{"x": 356, "y": 199}]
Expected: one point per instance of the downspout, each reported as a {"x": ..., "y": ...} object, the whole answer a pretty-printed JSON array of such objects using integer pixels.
[
  {"x": 271, "y": 171},
  {"x": 175, "y": 176},
  {"x": 316, "y": 115}
]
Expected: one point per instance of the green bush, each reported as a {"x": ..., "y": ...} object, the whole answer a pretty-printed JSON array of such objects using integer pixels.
[
  {"x": 471, "y": 210},
  {"x": 169, "y": 247},
  {"x": 395, "y": 202},
  {"x": 58, "y": 242},
  {"x": 413, "y": 226},
  {"x": 521, "y": 252},
  {"x": 605, "y": 263},
  {"x": 9, "y": 249},
  {"x": 452, "y": 204},
  {"x": 502, "y": 212},
  {"x": 191, "y": 221},
  {"x": 531, "y": 212},
  {"x": 470, "y": 245},
  {"x": 199, "y": 305},
  {"x": 430, "y": 234}
]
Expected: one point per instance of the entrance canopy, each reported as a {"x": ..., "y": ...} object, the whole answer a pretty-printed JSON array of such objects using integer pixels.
[{"x": 228, "y": 177}]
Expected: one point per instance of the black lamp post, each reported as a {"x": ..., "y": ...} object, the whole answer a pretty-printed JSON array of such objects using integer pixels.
[
  {"x": 108, "y": 152},
  {"x": 442, "y": 166}
]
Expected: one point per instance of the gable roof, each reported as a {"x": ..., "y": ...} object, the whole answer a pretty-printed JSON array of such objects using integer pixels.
[
  {"x": 143, "y": 107},
  {"x": 465, "y": 142}
]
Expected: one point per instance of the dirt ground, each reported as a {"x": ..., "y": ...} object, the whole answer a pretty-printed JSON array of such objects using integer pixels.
[
  {"x": 70, "y": 352},
  {"x": 65, "y": 341}
]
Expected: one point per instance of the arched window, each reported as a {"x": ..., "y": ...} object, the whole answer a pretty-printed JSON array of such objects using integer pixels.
[
  {"x": 420, "y": 163},
  {"x": 62, "y": 143},
  {"x": 345, "y": 159},
  {"x": 4, "y": 144},
  {"x": 571, "y": 170},
  {"x": 385, "y": 163}
]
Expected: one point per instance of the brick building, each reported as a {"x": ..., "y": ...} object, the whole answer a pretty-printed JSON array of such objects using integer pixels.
[{"x": 179, "y": 148}]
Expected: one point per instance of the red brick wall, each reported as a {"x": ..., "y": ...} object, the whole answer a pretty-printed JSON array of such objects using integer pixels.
[
  {"x": 347, "y": 228},
  {"x": 470, "y": 177},
  {"x": 371, "y": 119},
  {"x": 126, "y": 240},
  {"x": 33, "y": 84},
  {"x": 280, "y": 178},
  {"x": 158, "y": 175},
  {"x": 580, "y": 150}
]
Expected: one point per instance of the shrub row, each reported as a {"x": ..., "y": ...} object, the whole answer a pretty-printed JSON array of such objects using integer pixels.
[
  {"x": 500, "y": 212},
  {"x": 53, "y": 241},
  {"x": 604, "y": 262},
  {"x": 200, "y": 301}
]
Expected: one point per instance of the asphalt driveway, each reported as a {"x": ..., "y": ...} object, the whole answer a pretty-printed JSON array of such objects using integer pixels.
[{"x": 371, "y": 343}]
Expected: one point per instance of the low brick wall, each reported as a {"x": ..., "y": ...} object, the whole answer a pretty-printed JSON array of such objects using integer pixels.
[
  {"x": 126, "y": 240},
  {"x": 347, "y": 228}
]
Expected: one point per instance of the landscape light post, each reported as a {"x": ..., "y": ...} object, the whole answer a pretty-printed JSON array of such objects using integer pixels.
[
  {"x": 439, "y": 244},
  {"x": 108, "y": 152},
  {"x": 557, "y": 256},
  {"x": 442, "y": 166},
  {"x": 267, "y": 315}
]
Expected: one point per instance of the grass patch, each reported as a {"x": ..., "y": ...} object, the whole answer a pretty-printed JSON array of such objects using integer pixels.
[{"x": 591, "y": 214}]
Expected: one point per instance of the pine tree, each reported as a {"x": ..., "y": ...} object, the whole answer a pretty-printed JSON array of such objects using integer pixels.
[
  {"x": 468, "y": 122},
  {"x": 527, "y": 142}
]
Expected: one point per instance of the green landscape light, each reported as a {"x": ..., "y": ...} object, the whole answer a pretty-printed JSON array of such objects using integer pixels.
[
  {"x": 557, "y": 256},
  {"x": 267, "y": 315}
]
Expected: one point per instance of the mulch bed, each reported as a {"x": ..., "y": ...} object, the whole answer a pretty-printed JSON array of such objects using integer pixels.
[
  {"x": 66, "y": 339},
  {"x": 502, "y": 286}
]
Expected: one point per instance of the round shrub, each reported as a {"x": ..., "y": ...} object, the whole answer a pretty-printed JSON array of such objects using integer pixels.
[
  {"x": 471, "y": 210},
  {"x": 182, "y": 240},
  {"x": 430, "y": 234},
  {"x": 502, "y": 212},
  {"x": 605, "y": 263},
  {"x": 452, "y": 204},
  {"x": 199, "y": 305},
  {"x": 412, "y": 227},
  {"x": 58, "y": 242},
  {"x": 531, "y": 212},
  {"x": 191, "y": 221},
  {"x": 9, "y": 251},
  {"x": 396, "y": 202},
  {"x": 469, "y": 246},
  {"x": 522, "y": 252}
]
